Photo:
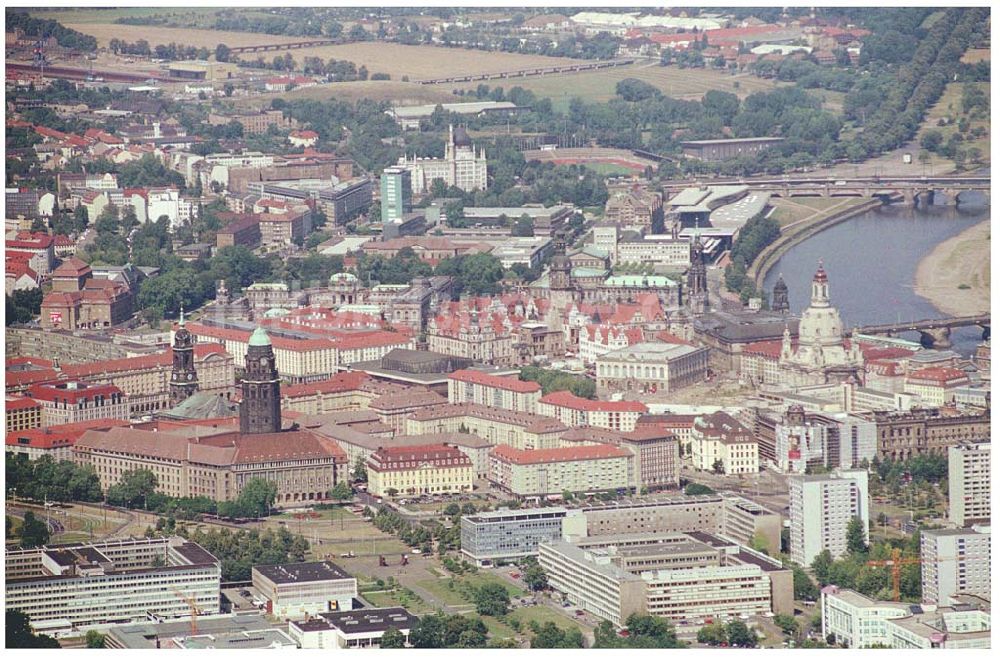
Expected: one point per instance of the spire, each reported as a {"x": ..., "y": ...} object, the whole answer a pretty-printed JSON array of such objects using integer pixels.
[{"x": 180, "y": 323}]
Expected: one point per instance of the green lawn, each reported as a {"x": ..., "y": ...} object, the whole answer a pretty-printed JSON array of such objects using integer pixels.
[
  {"x": 453, "y": 595},
  {"x": 413, "y": 605},
  {"x": 610, "y": 169},
  {"x": 600, "y": 85},
  {"x": 543, "y": 614}
]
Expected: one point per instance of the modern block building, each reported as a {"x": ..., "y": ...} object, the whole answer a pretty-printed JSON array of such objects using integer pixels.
[
  {"x": 969, "y": 483},
  {"x": 355, "y": 629},
  {"x": 64, "y": 587},
  {"x": 954, "y": 562},
  {"x": 300, "y": 590},
  {"x": 820, "y": 507},
  {"x": 858, "y": 622},
  {"x": 396, "y": 193},
  {"x": 685, "y": 577},
  {"x": 734, "y": 517},
  {"x": 488, "y": 537}
]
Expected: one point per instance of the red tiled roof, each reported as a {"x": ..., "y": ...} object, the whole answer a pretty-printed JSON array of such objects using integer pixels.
[
  {"x": 13, "y": 404},
  {"x": 339, "y": 383},
  {"x": 28, "y": 361},
  {"x": 71, "y": 267},
  {"x": 28, "y": 377},
  {"x": 60, "y": 436},
  {"x": 304, "y": 134},
  {"x": 572, "y": 453},
  {"x": 567, "y": 399},
  {"x": 59, "y": 391},
  {"x": 149, "y": 361},
  {"x": 394, "y": 457},
  {"x": 937, "y": 374},
  {"x": 495, "y": 381}
]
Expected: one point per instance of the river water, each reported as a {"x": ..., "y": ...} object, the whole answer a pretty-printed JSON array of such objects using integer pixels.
[{"x": 871, "y": 261}]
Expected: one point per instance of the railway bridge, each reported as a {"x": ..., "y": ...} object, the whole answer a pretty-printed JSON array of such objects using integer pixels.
[
  {"x": 293, "y": 45},
  {"x": 935, "y": 332},
  {"x": 916, "y": 190}
]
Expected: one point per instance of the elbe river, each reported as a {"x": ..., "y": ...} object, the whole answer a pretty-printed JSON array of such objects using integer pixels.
[{"x": 871, "y": 261}]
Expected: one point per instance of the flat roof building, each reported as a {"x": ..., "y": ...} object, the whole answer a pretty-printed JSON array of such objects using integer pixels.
[
  {"x": 68, "y": 586},
  {"x": 351, "y": 630},
  {"x": 969, "y": 483},
  {"x": 490, "y": 537},
  {"x": 224, "y": 632},
  {"x": 298, "y": 590}
]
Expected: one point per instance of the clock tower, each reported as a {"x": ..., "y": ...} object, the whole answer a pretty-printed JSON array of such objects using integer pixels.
[
  {"x": 183, "y": 378},
  {"x": 260, "y": 408}
]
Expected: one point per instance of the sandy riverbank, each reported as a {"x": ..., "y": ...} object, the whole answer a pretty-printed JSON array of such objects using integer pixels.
[{"x": 964, "y": 260}]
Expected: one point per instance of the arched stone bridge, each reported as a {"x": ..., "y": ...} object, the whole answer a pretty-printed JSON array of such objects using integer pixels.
[{"x": 933, "y": 332}]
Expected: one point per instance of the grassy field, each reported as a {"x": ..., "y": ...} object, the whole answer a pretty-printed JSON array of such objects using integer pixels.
[
  {"x": 400, "y": 93},
  {"x": 974, "y": 55},
  {"x": 398, "y": 598},
  {"x": 439, "y": 587},
  {"x": 185, "y": 16},
  {"x": 156, "y": 34},
  {"x": 949, "y": 107},
  {"x": 600, "y": 85},
  {"x": 419, "y": 62},
  {"x": 609, "y": 169}
]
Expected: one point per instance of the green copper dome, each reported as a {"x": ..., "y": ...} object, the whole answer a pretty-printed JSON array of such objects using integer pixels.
[{"x": 259, "y": 338}]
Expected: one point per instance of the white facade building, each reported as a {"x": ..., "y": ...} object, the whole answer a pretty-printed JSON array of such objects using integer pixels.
[
  {"x": 954, "y": 562},
  {"x": 820, "y": 507},
  {"x": 969, "y": 483},
  {"x": 461, "y": 166}
]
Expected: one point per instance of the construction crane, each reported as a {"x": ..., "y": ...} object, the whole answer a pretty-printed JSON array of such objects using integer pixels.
[
  {"x": 194, "y": 610},
  {"x": 896, "y": 563}
]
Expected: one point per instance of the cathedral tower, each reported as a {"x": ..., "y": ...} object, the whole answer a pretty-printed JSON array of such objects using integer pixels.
[
  {"x": 697, "y": 277},
  {"x": 183, "y": 378},
  {"x": 779, "y": 298},
  {"x": 260, "y": 409}
]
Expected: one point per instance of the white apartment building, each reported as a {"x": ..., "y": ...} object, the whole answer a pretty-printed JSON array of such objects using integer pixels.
[
  {"x": 543, "y": 472},
  {"x": 858, "y": 622},
  {"x": 573, "y": 411},
  {"x": 969, "y": 483},
  {"x": 167, "y": 201},
  {"x": 493, "y": 390},
  {"x": 954, "y": 562},
  {"x": 832, "y": 440},
  {"x": 356, "y": 629},
  {"x": 720, "y": 438},
  {"x": 64, "y": 587},
  {"x": 820, "y": 507}
]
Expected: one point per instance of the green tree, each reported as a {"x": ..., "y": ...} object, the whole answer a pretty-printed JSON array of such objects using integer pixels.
[
  {"x": 523, "y": 227},
  {"x": 360, "y": 472},
  {"x": 95, "y": 640},
  {"x": 550, "y": 636},
  {"x": 712, "y": 634},
  {"x": 787, "y": 624},
  {"x": 695, "y": 489},
  {"x": 822, "y": 565},
  {"x": 392, "y": 639},
  {"x": 18, "y": 633},
  {"x": 856, "y": 536},
  {"x": 257, "y": 497},
  {"x": 534, "y": 576},
  {"x": 133, "y": 488},
  {"x": 341, "y": 492},
  {"x": 804, "y": 587},
  {"x": 492, "y": 599},
  {"x": 740, "y": 635},
  {"x": 34, "y": 532}
]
